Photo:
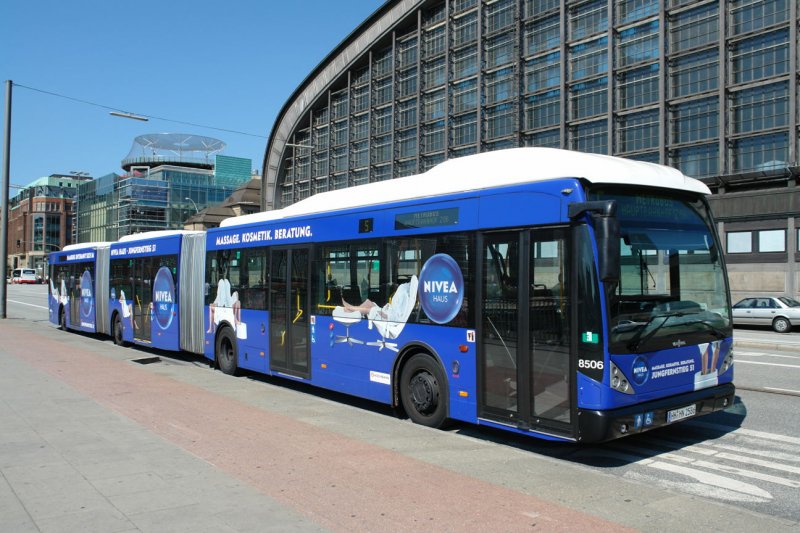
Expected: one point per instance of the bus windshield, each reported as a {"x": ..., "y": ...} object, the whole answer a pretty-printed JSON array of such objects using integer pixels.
[{"x": 672, "y": 289}]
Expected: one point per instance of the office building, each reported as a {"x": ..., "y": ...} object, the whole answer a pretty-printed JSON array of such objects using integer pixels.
[
  {"x": 709, "y": 87},
  {"x": 168, "y": 178}
]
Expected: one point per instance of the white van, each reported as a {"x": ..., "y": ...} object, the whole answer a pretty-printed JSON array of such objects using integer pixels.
[{"x": 24, "y": 275}]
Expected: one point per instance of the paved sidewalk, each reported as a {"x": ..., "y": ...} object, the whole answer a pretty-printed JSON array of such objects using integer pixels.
[
  {"x": 91, "y": 441},
  {"x": 70, "y": 464}
]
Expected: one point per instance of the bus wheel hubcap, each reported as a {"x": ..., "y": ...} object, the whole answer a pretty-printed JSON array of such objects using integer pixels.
[{"x": 424, "y": 392}]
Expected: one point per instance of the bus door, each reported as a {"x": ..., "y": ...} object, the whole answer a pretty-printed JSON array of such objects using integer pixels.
[
  {"x": 142, "y": 298},
  {"x": 289, "y": 316},
  {"x": 526, "y": 331}
]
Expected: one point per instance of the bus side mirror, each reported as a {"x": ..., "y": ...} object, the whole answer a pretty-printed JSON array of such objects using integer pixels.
[{"x": 606, "y": 230}]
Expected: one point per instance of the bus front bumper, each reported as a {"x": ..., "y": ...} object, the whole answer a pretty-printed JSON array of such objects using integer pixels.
[{"x": 599, "y": 426}]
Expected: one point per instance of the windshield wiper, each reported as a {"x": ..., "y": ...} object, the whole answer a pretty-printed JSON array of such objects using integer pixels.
[
  {"x": 718, "y": 333},
  {"x": 638, "y": 339}
]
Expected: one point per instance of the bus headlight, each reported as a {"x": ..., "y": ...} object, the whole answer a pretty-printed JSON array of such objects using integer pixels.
[{"x": 619, "y": 382}]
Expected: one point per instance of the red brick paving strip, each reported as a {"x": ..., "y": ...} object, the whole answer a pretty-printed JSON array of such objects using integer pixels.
[{"x": 343, "y": 484}]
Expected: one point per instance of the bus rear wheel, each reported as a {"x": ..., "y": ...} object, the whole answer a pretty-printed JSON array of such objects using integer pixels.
[
  {"x": 119, "y": 340},
  {"x": 422, "y": 391},
  {"x": 227, "y": 358}
]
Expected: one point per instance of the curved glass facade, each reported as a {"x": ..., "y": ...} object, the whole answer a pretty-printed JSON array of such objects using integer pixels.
[{"x": 709, "y": 87}]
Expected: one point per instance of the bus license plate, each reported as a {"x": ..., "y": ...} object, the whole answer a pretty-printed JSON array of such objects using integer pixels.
[{"x": 680, "y": 414}]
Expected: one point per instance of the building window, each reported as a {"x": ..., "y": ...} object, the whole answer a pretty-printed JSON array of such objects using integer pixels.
[
  {"x": 694, "y": 74},
  {"x": 382, "y": 91},
  {"x": 697, "y": 161},
  {"x": 760, "y": 241},
  {"x": 359, "y": 127},
  {"x": 465, "y": 96},
  {"x": 339, "y": 104},
  {"x": 434, "y": 42},
  {"x": 407, "y": 143},
  {"x": 464, "y": 130},
  {"x": 591, "y": 137},
  {"x": 407, "y": 82},
  {"x": 465, "y": 29},
  {"x": 752, "y": 15},
  {"x": 406, "y": 168},
  {"x": 588, "y": 18},
  {"x": 542, "y": 110},
  {"x": 694, "y": 121},
  {"x": 740, "y": 242},
  {"x": 407, "y": 53},
  {"x": 382, "y": 63},
  {"x": 465, "y": 62},
  {"x": 772, "y": 240},
  {"x": 760, "y": 108},
  {"x": 382, "y": 120},
  {"x": 434, "y": 73},
  {"x": 499, "y": 50},
  {"x": 500, "y": 121},
  {"x": 589, "y": 98},
  {"x": 500, "y": 15},
  {"x": 548, "y": 139},
  {"x": 542, "y": 35},
  {"x": 340, "y": 133},
  {"x": 382, "y": 149},
  {"x": 500, "y": 86},
  {"x": 762, "y": 152},
  {"x": 694, "y": 28},
  {"x": 632, "y": 10},
  {"x": 638, "y": 44},
  {"x": 433, "y": 105},
  {"x": 543, "y": 72},
  {"x": 407, "y": 113},
  {"x": 433, "y": 137},
  {"x": 537, "y": 7},
  {"x": 638, "y": 87},
  {"x": 588, "y": 59},
  {"x": 382, "y": 173},
  {"x": 360, "y": 99},
  {"x": 638, "y": 131},
  {"x": 761, "y": 57}
]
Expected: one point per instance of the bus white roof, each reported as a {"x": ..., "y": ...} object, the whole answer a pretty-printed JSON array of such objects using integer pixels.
[
  {"x": 487, "y": 170},
  {"x": 85, "y": 246},
  {"x": 156, "y": 234}
]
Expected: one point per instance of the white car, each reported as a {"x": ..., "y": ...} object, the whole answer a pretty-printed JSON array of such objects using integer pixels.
[
  {"x": 24, "y": 275},
  {"x": 779, "y": 313}
]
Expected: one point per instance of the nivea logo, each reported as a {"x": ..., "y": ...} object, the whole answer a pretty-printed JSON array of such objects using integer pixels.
[
  {"x": 87, "y": 299},
  {"x": 441, "y": 288},
  {"x": 640, "y": 371},
  {"x": 163, "y": 297}
]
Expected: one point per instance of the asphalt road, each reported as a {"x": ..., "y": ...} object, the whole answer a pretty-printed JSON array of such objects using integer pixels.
[{"x": 746, "y": 457}]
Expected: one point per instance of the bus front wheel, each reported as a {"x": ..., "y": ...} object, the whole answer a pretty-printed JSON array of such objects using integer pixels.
[
  {"x": 422, "y": 391},
  {"x": 227, "y": 358}
]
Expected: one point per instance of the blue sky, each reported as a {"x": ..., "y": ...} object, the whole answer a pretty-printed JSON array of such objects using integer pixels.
[{"x": 229, "y": 65}]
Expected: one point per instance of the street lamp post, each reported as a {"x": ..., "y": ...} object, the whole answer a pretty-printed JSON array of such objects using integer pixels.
[
  {"x": 194, "y": 204},
  {"x": 4, "y": 197}
]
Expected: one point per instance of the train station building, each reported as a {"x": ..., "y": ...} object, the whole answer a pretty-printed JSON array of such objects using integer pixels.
[{"x": 709, "y": 87}]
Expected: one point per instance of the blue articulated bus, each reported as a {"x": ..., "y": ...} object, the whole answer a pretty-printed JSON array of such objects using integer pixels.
[
  {"x": 74, "y": 285},
  {"x": 566, "y": 296},
  {"x": 147, "y": 272},
  {"x": 145, "y": 289},
  {"x": 561, "y": 295}
]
